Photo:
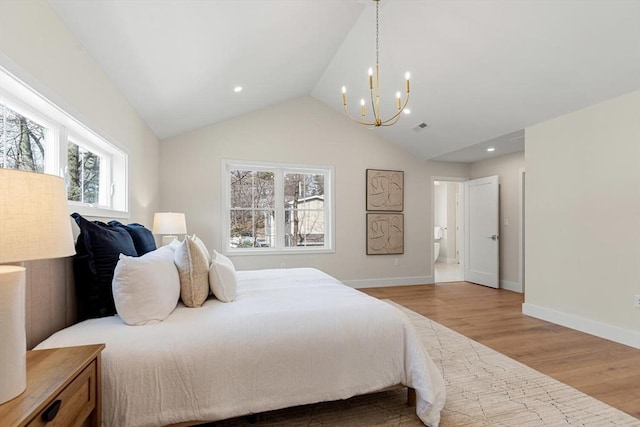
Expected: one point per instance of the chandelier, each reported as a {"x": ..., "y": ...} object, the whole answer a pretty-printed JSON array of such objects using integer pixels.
[{"x": 375, "y": 97}]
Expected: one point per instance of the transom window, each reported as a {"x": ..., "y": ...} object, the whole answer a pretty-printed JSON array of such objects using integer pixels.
[
  {"x": 272, "y": 207},
  {"x": 83, "y": 174},
  {"x": 37, "y": 136},
  {"x": 22, "y": 141}
]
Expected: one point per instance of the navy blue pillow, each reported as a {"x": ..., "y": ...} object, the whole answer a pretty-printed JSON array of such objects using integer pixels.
[
  {"x": 142, "y": 237},
  {"x": 98, "y": 249}
]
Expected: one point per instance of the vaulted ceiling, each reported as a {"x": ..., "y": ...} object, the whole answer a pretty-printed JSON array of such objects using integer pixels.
[{"x": 481, "y": 71}]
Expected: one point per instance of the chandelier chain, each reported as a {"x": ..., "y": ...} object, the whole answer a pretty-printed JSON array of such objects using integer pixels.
[{"x": 377, "y": 31}]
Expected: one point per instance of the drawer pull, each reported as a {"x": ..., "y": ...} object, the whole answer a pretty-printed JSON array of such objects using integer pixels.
[{"x": 51, "y": 411}]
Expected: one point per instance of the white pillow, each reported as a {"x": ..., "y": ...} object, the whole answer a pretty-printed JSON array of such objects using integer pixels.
[
  {"x": 222, "y": 278},
  {"x": 146, "y": 289},
  {"x": 173, "y": 245},
  {"x": 193, "y": 266}
]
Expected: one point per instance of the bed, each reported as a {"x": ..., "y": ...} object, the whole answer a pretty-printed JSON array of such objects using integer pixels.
[{"x": 292, "y": 337}]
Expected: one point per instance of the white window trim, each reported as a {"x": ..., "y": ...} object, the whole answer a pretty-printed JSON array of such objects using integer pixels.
[
  {"x": 278, "y": 168},
  {"x": 26, "y": 101}
]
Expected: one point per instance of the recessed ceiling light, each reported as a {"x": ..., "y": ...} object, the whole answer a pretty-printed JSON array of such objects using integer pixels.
[
  {"x": 237, "y": 89},
  {"x": 490, "y": 149}
]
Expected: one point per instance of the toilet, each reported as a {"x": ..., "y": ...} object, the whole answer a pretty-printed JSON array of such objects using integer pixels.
[{"x": 437, "y": 235}]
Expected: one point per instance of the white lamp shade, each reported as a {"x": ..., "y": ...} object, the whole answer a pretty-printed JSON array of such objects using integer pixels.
[
  {"x": 34, "y": 221},
  {"x": 169, "y": 223}
]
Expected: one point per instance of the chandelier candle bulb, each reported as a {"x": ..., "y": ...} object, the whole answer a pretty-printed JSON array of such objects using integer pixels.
[
  {"x": 344, "y": 95},
  {"x": 362, "y": 110},
  {"x": 370, "y": 78},
  {"x": 398, "y": 97},
  {"x": 406, "y": 76}
]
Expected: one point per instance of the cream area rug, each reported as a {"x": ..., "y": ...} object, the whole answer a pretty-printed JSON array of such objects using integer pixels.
[{"x": 484, "y": 388}]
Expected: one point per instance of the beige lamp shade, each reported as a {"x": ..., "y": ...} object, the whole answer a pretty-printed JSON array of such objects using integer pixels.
[
  {"x": 34, "y": 221},
  {"x": 169, "y": 223}
]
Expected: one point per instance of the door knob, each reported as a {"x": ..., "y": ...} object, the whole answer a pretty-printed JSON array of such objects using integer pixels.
[{"x": 493, "y": 237}]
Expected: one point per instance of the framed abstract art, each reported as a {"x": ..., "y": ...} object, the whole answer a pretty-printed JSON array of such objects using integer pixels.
[
  {"x": 385, "y": 190},
  {"x": 385, "y": 233}
]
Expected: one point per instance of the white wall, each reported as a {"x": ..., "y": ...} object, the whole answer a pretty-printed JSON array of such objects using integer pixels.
[
  {"x": 38, "y": 48},
  {"x": 507, "y": 168},
  {"x": 583, "y": 219},
  {"x": 308, "y": 132}
]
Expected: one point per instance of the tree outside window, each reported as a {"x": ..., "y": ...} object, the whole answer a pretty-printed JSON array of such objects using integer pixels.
[
  {"x": 304, "y": 209},
  {"x": 252, "y": 209},
  {"x": 22, "y": 142},
  {"x": 83, "y": 174}
]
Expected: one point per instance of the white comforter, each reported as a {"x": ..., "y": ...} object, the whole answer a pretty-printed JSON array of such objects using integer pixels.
[{"x": 294, "y": 336}]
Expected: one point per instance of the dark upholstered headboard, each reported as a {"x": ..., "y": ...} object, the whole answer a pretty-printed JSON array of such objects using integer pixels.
[{"x": 50, "y": 298}]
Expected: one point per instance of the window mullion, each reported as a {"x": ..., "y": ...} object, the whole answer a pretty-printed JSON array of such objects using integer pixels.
[
  {"x": 279, "y": 208},
  {"x": 62, "y": 151},
  {"x": 4, "y": 135},
  {"x": 53, "y": 144},
  {"x": 329, "y": 210},
  {"x": 105, "y": 195},
  {"x": 225, "y": 219}
]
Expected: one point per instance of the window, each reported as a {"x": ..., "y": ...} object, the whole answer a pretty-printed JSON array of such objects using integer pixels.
[
  {"x": 271, "y": 208},
  {"x": 252, "y": 211},
  {"x": 37, "y": 136},
  {"x": 304, "y": 209},
  {"x": 22, "y": 141},
  {"x": 83, "y": 174}
]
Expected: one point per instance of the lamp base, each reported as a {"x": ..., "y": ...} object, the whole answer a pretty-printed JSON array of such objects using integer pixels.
[
  {"x": 13, "y": 339},
  {"x": 168, "y": 239}
]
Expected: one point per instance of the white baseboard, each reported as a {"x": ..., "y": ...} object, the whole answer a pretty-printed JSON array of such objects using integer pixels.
[
  {"x": 392, "y": 281},
  {"x": 592, "y": 327},
  {"x": 511, "y": 286},
  {"x": 447, "y": 260}
]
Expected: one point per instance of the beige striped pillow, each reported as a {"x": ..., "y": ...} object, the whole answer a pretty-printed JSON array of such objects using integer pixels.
[{"x": 193, "y": 267}]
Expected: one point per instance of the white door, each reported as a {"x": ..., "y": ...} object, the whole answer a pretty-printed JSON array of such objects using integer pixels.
[
  {"x": 458, "y": 224},
  {"x": 482, "y": 244}
]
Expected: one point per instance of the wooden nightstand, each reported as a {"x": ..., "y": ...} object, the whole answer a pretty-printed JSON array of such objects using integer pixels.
[{"x": 63, "y": 389}]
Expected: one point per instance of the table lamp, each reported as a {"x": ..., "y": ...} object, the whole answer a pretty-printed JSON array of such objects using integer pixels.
[
  {"x": 34, "y": 224},
  {"x": 169, "y": 224}
]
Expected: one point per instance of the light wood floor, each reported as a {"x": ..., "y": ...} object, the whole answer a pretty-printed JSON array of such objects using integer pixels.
[{"x": 608, "y": 371}]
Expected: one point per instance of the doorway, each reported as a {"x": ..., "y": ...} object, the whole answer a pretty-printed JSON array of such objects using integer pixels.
[{"x": 448, "y": 230}]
